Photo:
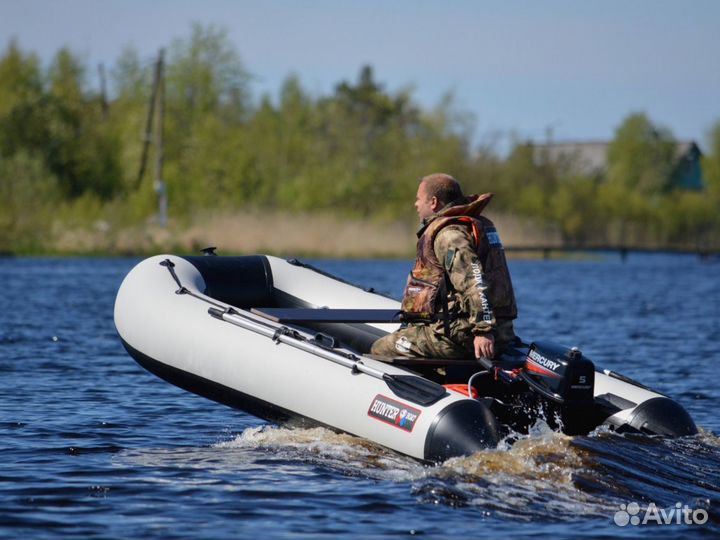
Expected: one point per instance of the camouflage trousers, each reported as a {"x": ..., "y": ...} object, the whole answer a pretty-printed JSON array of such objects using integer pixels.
[
  {"x": 425, "y": 341},
  {"x": 418, "y": 341}
]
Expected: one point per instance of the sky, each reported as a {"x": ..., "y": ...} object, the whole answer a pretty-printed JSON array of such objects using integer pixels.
[{"x": 570, "y": 70}]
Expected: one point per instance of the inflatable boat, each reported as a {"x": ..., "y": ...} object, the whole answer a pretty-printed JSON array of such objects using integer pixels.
[{"x": 288, "y": 343}]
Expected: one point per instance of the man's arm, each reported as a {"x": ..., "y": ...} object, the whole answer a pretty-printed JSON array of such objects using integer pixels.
[{"x": 455, "y": 249}]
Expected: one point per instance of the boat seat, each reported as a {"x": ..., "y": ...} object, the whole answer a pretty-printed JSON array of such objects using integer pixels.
[{"x": 325, "y": 315}]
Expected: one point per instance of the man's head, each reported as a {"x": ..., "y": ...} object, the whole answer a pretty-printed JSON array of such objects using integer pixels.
[{"x": 434, "y": 192}]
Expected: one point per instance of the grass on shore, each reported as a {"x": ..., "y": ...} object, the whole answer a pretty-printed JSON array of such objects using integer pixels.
[{"x": 278, "y": 233}]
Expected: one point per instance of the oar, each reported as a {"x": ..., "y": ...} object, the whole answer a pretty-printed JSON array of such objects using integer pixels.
[{"x": 410, "y": 387}]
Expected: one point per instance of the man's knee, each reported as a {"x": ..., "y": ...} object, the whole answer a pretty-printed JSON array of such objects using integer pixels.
[
  {"x": 417, "y": 342},
  {"x": 385, "y": 346},
  {"x": 403, "y": 342}
]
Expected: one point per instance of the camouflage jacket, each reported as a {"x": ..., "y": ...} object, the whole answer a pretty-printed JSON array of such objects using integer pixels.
[{"x": 461, "y": 263}]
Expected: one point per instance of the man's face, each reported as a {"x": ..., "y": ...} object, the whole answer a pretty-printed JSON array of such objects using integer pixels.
[{"x": 423, "y": 203}]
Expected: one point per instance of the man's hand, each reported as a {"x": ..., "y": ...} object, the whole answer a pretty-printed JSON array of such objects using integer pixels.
[{"x": 484, "y": 346}]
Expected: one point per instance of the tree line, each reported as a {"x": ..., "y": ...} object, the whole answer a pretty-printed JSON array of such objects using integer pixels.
[{"x": 69, "y": 154}]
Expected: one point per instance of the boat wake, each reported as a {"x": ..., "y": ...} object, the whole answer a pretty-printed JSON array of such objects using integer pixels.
[
  {"x": 522, "y": 469},
  {"x": 341, "y": 452},
  {"x": 541, "y": 475}
]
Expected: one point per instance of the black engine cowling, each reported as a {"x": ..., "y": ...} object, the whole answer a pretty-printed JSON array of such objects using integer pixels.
[{"x": 559, "y": 374}]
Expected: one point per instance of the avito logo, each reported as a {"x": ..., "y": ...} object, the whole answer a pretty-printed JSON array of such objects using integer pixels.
[{"x": 677, "y": 515}]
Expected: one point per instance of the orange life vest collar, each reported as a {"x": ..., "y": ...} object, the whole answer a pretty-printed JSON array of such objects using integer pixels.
[{"x": 473, "y": 208}]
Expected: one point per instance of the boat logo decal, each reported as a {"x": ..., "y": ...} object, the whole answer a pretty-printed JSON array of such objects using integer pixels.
[
  {"x": 544, "y": 362},
  {"x": 393, "y": 412}
]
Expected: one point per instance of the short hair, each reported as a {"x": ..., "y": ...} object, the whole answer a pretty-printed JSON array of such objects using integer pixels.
[{"x": 443, "y": 186}]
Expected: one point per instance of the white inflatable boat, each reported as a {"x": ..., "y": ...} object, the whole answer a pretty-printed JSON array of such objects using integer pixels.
[{"x": 286, "y": 342}]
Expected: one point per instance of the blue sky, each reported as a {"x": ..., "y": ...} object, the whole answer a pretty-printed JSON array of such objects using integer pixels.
[{"x": 576, "y": 68}]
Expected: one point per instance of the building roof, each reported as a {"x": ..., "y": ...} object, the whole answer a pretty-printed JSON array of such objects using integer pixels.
[
  {"x": 591, "y": 157},
  {"x": 585, "y": 157}
]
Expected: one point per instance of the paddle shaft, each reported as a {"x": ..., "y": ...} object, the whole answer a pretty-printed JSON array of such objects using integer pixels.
[{"x": 248, "y": 324}]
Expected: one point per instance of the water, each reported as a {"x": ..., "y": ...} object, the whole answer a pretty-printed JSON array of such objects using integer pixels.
[{"x": 93, "y": 446}]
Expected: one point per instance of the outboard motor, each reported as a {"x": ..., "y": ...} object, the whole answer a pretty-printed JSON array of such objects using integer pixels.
[
  {"x": 565, "y": 378},
  {"x": 562, "y": 375}
]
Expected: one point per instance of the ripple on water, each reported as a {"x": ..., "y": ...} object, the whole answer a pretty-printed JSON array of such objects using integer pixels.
[{"x": 93, "y": 446}]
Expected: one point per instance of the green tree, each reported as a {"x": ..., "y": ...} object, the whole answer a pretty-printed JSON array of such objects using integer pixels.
[
  {"x": 82, "y": 151},
  {"x": 130, "y": 78},
  {"x": 205, "y": 75},
  {"x": 22, "y": 103},
  {"x": 573, "y": 209},
  {"x": 641, "y": 156},
  {"x": 130, "y": 88},
  {"x": 207, "y": 103},
  {"x": 28, "y": 202},
  {"x": 528, "y": 186}
]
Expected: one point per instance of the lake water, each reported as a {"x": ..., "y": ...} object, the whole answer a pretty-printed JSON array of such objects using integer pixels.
[{"x": 94, "y": 446}]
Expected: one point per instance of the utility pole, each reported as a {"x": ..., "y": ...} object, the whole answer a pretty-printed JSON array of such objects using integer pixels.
[
  {"x": 157, "y": 97},
  {"x": 103, "y": 91},
  {"x": 147, "y": 134},
  {"x": 160, "y": 187}
]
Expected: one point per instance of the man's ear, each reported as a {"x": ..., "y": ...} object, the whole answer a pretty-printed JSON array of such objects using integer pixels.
[{"x": 435, "y": 204}]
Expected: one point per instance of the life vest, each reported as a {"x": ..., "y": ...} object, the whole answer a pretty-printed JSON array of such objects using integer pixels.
[{"x": 426, "y": 291}]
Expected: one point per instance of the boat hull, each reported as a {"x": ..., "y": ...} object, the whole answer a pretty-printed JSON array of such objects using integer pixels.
[{"x": 166, "y": 314}]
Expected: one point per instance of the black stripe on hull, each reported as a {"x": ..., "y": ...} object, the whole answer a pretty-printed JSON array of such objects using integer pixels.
[
  {"x": 222, "y": 394},
  {"x": 230, "y": 397}
]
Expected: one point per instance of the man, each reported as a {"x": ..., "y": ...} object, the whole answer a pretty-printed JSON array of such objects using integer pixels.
[{"x": 459, "y": 290}]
